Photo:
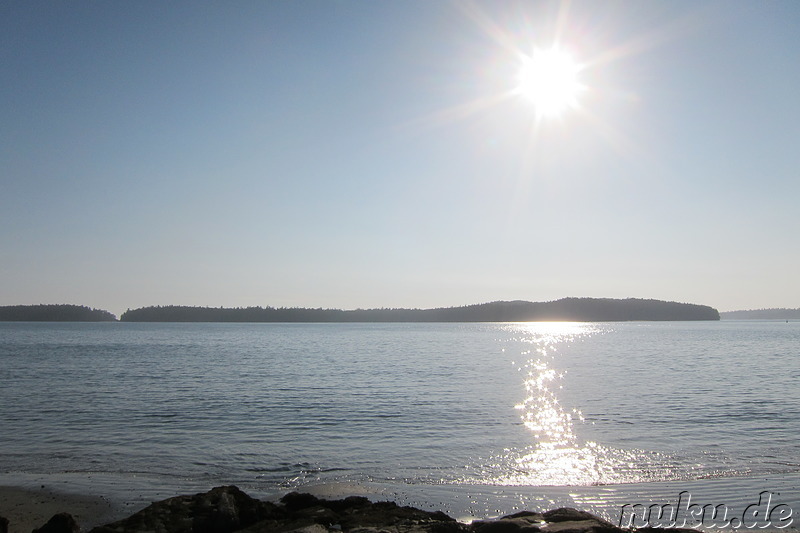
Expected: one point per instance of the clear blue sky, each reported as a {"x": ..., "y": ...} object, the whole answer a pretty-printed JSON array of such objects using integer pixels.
[{"x": 361, "y": 154}]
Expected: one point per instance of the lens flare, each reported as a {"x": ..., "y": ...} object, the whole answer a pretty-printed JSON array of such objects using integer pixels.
[{"x": 548, "y": 79}]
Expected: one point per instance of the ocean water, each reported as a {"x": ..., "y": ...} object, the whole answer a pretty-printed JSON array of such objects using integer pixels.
[{"x": 477, "y": 419}]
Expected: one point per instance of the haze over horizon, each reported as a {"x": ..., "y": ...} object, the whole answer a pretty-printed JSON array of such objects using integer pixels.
[{"x": 360, "y": 155}]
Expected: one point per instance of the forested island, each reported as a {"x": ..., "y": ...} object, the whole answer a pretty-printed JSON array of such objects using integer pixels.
[
  {"x": 566, "y": 309},
  {"x": 762, "y": 314},
  {"x": 54, "y": 313}
]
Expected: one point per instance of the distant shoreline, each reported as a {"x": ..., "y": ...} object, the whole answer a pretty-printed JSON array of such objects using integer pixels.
[
  {"x": 54, "y": 313},
  {"x": 762, "y": 314},
  {"x": 563, "y": 310}
]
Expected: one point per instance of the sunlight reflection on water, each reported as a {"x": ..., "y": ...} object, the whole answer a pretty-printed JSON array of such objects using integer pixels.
[{"x": 558, "y": 456}]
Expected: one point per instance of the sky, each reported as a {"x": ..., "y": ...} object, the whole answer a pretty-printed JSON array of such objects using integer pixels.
[{"x": 356, "y": 154}]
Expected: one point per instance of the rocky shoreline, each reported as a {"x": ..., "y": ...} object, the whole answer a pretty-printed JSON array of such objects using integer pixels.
[{"x": 228, "y": 509}]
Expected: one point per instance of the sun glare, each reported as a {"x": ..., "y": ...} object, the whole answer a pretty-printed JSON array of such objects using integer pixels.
[{"x": 548, "y": 80}]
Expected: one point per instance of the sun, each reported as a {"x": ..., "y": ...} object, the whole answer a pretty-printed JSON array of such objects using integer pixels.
[{"x": 548, "y": 80}]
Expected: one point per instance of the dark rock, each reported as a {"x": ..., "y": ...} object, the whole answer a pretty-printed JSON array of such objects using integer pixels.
[
  {"x": 351, "y": 501},
  {"x": 447, "y": 527},
  {"x": 221, "y": 510},
  {"x": 300, "y": 519},
  {"x": 527, "y": 514},
  {"x": 355, "y": 514},
  {"x": 568, "y": 520},
  {"x": 384, "y": 514},
  {"x": 314, "y": 528},
  {"x": 582, "y": 526},
  {"x": 524, "y": 521},
  {"x": 319, "y": 514},
  {"x": 505, "y": 525},
  {"x": 60, "y": 523},
  {"x": 285, "y": 525},
  {"x": 661, "y": 530},
  {"x": 295, "y": 501},
  {"x": 568, "y": 514},
  {"x": 3, "y": 524}
]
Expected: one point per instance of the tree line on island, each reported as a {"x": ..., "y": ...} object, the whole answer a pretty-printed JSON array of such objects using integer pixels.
[
  {"x": 566, "y": 309},
  {"x": 762, "y": 314},
  {"x": 54, "y": 313}
]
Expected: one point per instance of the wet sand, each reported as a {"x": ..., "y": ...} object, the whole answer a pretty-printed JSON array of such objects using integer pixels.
[{"x": 27, "y": 509}]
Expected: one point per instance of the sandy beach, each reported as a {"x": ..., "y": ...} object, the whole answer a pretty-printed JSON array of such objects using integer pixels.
[{"x": 27, "y": 509}]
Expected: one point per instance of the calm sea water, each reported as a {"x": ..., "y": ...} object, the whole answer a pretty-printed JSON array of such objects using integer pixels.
[{"x": 480, "y": 419}]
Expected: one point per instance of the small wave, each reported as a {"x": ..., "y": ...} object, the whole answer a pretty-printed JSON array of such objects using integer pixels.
[{"x": 592, "y": 464}]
